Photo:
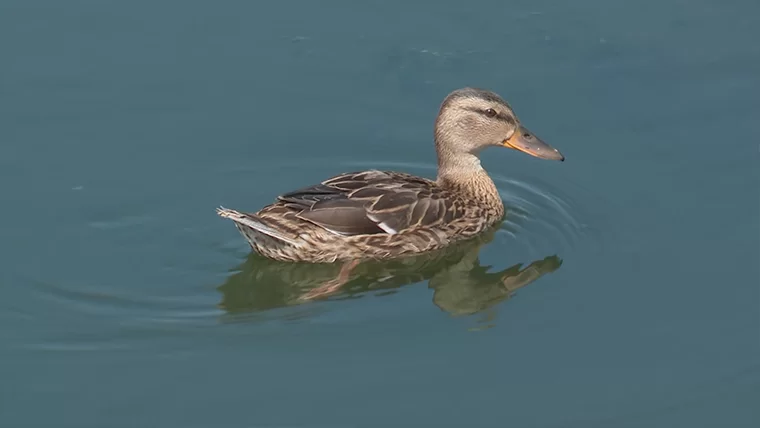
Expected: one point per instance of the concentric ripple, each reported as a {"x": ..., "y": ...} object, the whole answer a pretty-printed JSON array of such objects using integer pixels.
[{"x": 540, "y": 217}]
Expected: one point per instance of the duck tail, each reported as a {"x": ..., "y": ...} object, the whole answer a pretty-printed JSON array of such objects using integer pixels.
[{"x": 256, "y": 223}]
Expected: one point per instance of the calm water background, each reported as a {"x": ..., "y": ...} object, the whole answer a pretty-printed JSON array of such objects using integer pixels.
[{"x": 124, "y": 124}]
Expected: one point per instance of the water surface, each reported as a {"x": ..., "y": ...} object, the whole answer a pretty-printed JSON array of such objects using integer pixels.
[{"x": 127, "y": 302}]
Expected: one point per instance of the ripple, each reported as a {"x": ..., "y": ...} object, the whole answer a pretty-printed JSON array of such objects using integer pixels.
[
  {"x": 540, "y": 217},
  {"x": 85, "y": 318}
]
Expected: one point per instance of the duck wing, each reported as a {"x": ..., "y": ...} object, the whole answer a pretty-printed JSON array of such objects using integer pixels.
[{"x": 373, "y": 202}]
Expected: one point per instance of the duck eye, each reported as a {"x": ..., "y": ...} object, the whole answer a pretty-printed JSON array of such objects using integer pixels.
[{"x": 490, "y": 112}]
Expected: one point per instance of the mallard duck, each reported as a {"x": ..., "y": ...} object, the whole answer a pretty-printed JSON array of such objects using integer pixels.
[{"x": 381, "y": 215}]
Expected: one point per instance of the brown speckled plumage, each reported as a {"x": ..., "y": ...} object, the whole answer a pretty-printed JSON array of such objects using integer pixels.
[{"x": 384, "y": 214}]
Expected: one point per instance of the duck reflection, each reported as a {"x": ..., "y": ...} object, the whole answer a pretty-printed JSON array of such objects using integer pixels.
[{"x": 461, "y": 285}]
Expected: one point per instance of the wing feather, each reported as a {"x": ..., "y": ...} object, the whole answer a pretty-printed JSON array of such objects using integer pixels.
[{"x": 372, "y": 202}]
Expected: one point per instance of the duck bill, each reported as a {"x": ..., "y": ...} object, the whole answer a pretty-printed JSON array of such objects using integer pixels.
[{"x": 525, "y": 141}]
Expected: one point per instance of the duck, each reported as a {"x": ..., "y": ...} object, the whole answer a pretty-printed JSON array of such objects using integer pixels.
[{"x": 381, "y": 215}]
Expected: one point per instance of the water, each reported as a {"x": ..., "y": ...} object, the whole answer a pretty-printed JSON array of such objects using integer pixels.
[{"x": 127, "y": 302}]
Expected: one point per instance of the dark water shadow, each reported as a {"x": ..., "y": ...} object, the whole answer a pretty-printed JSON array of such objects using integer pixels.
[{"x": 462, "y": 286}]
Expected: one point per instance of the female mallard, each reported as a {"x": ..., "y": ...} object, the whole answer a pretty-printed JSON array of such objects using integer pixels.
[{"x": 383, "y": 214}]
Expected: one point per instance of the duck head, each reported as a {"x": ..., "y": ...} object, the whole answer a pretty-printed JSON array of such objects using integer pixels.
[{"x": 470, "y": 120}]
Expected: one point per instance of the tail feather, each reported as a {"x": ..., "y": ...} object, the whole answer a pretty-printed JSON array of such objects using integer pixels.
[{"x": 255, "y": 223}]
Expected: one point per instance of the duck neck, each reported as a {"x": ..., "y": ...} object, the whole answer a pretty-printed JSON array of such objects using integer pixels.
[{"x": 463, "y": 173}]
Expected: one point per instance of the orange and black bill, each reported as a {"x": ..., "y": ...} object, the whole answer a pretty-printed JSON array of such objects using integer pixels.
[{"x": 525, "y": 141}]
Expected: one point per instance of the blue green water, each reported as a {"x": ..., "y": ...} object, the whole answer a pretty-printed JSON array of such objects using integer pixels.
[{"x": 125, "y": 301}]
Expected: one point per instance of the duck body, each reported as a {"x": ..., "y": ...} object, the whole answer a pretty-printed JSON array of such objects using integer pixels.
[
  {"x": 368, "y": 215},
  {"x": 386, "y": 214}
]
